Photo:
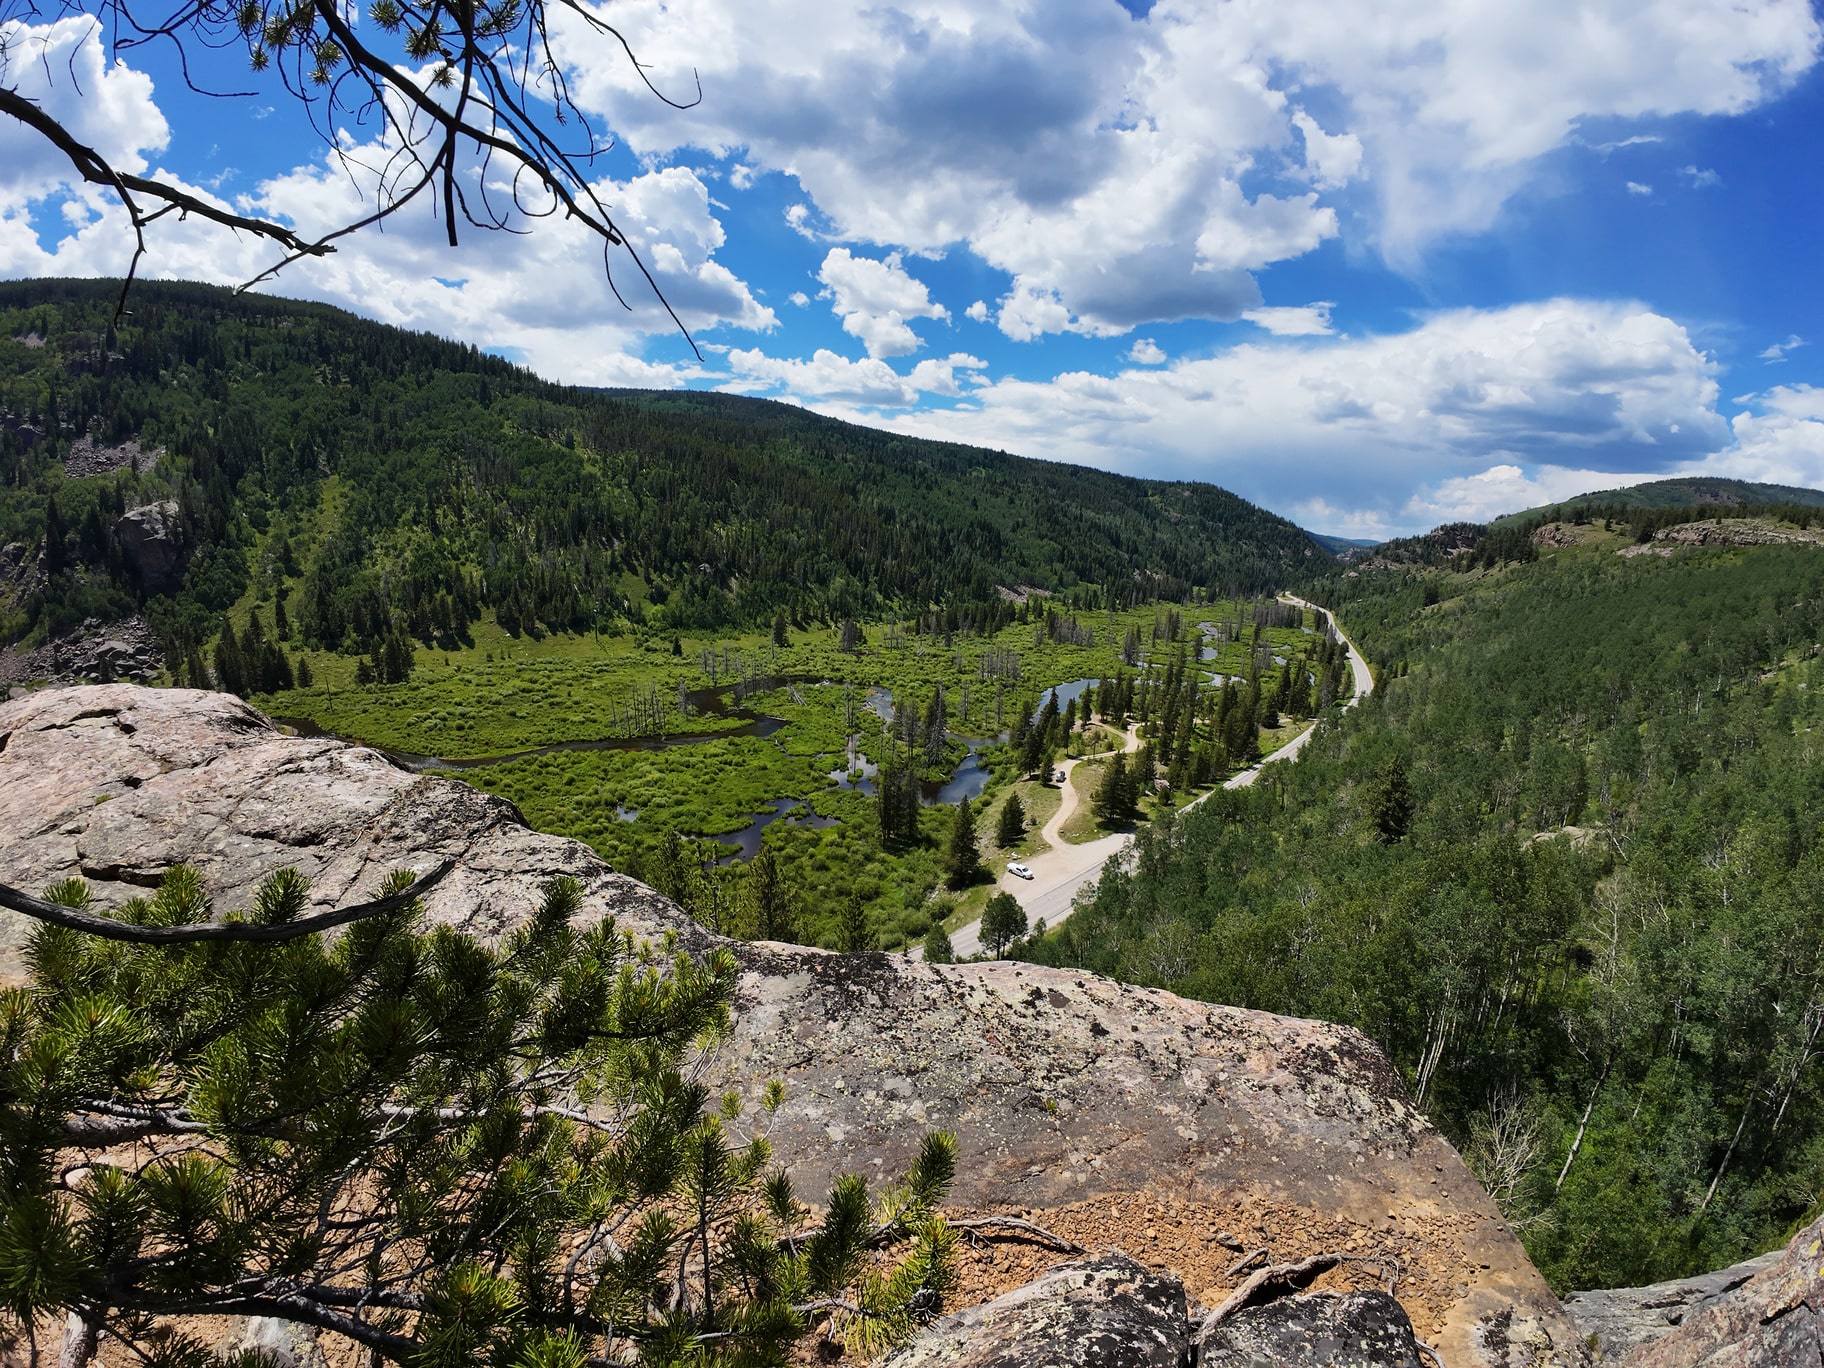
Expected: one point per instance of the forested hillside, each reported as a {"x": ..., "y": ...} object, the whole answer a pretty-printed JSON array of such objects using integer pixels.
[
  {"x": 1684, "y": 492},
  {"x": 386, "y": 484},
  {"x": 1566, "y": 866}
]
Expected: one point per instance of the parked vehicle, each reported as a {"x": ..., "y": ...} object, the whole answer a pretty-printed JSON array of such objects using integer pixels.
[{"x": 1019, "y": 871}]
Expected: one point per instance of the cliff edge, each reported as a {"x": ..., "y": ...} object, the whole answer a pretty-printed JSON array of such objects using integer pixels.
[{"x": 1178, "y": 1133}]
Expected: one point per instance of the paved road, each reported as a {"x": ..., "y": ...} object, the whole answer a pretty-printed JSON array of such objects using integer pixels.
[{"x": 1058, "y": 873}]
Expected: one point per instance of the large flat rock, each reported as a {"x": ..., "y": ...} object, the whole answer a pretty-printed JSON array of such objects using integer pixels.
[{"x": 1123, "y": 1117}]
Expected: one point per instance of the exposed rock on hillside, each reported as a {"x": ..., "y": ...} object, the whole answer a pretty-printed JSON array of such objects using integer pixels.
[
  {"x": 152, "y": 539},
  {"x": 1773, "y": 1319},
  {"x": 1624, "y": 1318},
  {"x": 87, "y": 457},
  {"x": 1171, "y": 1130},
  {"x": 1725, "y": 532},
  {"x": 124, "y": 650}
]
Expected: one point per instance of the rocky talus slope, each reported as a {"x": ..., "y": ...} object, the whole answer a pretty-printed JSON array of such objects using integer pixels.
[{"x": 1182, "y": 1135}]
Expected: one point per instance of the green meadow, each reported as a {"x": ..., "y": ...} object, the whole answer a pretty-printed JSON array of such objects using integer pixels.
[{"x": 504, "y": 698}]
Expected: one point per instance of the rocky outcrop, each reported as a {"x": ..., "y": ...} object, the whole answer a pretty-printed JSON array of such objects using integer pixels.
[
  {"x": 1107, "y": 1312},
  {"x": 1725, "y": 532},
  {"x": 1322, "y": 1330},
  {"x": 1120, "y": 1117},
  {"x": 152, "y": 540},
  {"x": 1112, "y": 1312},
  {"x": 1621, "y": 1319},
  {"x": 1772, "y": 1319}
]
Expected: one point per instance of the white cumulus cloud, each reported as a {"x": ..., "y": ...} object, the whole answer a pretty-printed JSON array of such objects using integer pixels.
[
  {"x": 1363, "y": 422},
  {"x": 875, "y": 298},
  {"x": 1301, "y": 320}
]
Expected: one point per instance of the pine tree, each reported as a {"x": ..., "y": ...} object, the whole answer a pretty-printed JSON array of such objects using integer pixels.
[
  {"x": 962, "y": 856},
  {"x": 1387, "y": 802},
  {"x": 230, "y": 669},
  {"x": 853, "y": 934},
  {"x": 394, "y": 1119},
  {"x": 281, "y": 623},
  {"x": 937, "y": 948},
  {"x": 304, "y": 676},
  {"x": 780, "y": 638},
  {"x": 671, "y": 871},
  {"x": 1113, "y": 801},
  {"x": 1003, "y": 922},
  {"x": 771, "y": 899},
  {"x": 56, "y": 555},
  {"x": 1011, "y": 829}
]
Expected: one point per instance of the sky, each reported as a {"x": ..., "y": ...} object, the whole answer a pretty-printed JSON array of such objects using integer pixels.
[{"x": 1374, "y": 266}]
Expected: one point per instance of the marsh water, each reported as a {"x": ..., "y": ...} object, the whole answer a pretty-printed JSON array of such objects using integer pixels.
[{"x": 722, "y": 701}]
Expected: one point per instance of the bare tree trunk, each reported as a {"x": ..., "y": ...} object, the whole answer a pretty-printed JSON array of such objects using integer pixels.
[
  {"x": 1728, "y": 1154},
  {"x": 1583, "y": 1124},
  {"x": 79, "y": 1341}
]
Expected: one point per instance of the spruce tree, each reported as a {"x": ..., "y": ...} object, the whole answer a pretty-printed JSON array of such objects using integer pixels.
[
  {"x": 1388, "y": 803},
  {"x": 1011, "y": 827},
  {"x": 1003, "y": 922},
  {"x": 1112, "y": 801},
  {"x": 771, "y": 899},
  {"x": 853, "y": 934},
  {"x": 962, "y": 855},
  {"x": 937, "y": 948},
  {"x": 56, "y": 555},
  {"x": 445, "y": 1151}
]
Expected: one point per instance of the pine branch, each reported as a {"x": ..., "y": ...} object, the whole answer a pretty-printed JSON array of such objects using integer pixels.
[{"x": 108, "y": 928}]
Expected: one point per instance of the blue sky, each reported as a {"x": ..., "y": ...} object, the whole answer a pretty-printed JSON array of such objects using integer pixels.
[{"x": 1375, "y": 266}]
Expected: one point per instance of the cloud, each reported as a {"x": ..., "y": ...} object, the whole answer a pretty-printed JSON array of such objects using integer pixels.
[
  {"x": 1362, "y": 422},
  {"x": 978, "y": 311},
  {"x": 1701, "y": 178},
  {"x": 1506, "y": 489},
  {"x": 1777, "y": 352},
  {"x": 1304, "y": 320},
  {"x": 1146, "y": 352},
  {"x": 933, "y": 376},
  {"x": 62, "y": 67},
  {"x": 1603, "y": 149},
  {"x": 797, "y": 217},
  {"x": 826, "y": 375},
  {"x": 1101, "y": 162},
  {"x": 1331, "y": 160},
  {"x": 1781, "y": 441},
  {"x": 799, "y": 297},
  {"x": 1636, "y": 188},
  {"x": 542, "y": 297},
  {"x": 875, "y": 298}
]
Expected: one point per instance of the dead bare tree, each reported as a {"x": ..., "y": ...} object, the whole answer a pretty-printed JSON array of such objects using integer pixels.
[{"x": 452, "y": 86}]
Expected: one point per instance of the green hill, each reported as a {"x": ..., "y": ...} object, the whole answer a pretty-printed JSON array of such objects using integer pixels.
[
  {"x": 1686, "y": 492},
  {"x": 394, "y": 482},
  {"x": 1619, "y": 1027}
]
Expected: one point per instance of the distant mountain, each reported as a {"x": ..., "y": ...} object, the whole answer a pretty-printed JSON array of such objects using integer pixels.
[
  {"x": 385, "y": 483},
  {"x": 1342, "y": 546},
  {"x": 1680, "y": 493}
]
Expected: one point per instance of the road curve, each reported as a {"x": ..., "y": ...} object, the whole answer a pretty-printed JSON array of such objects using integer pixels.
[{"x": 1059, "y": 872}]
